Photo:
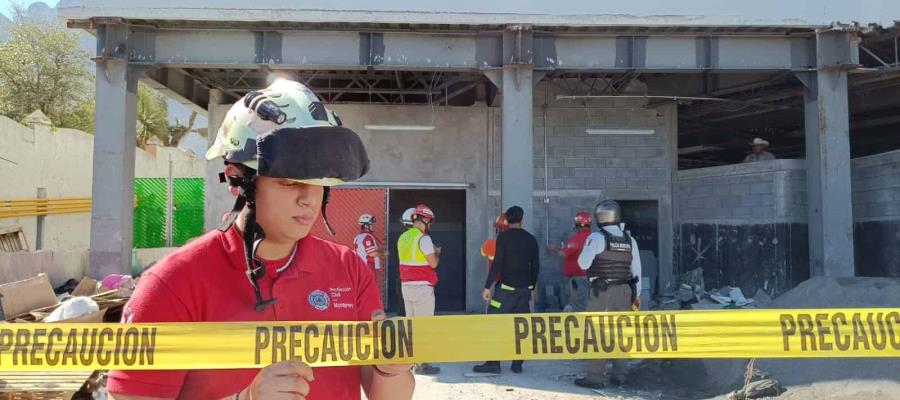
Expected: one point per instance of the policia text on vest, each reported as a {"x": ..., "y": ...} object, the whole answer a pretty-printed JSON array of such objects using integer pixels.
[{"x": 682, "y": 334}]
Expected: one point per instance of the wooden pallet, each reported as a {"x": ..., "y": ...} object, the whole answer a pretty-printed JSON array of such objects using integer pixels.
[{"x": 27, "y": 385}]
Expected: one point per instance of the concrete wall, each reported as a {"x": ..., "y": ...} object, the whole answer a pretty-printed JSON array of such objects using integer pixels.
[
  {"x": 876, "y": 214},
  {"x": 61, "y": 161},
  {"x": 744, "y": 224},
  {"x": 582, "y": 169}
]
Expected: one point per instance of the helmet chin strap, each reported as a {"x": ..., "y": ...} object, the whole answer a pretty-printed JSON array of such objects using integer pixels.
[{"x": 253, "y": 233}]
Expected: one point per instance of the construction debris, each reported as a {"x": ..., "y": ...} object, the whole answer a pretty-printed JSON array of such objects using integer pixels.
[
  {"x": 34, "y": 300},
  {"x": 758, "y": 389}
]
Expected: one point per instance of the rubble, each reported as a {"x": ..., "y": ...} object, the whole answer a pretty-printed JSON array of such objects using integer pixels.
[
  {"x": 34, "y": 300},
  {"x": 758, "y": 389}
]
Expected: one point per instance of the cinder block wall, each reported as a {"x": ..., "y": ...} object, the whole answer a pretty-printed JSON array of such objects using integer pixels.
[
  {"x": 876, "y": 214},
  {"x": 744, "y": 224},
  {"x": 581, "y": 169}
]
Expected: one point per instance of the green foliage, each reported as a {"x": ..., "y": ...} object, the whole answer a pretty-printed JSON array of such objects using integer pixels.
[{"x": 43, "y": 68}]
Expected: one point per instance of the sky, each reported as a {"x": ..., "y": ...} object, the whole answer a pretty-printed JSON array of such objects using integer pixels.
[{"x": 6, "y": 5}]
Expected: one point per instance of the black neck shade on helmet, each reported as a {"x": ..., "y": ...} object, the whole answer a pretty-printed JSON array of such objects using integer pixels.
[{"x": 327, "y": 153}]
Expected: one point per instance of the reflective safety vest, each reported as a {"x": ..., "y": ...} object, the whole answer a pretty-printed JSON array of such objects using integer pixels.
[{"x": 414, "y": 266}]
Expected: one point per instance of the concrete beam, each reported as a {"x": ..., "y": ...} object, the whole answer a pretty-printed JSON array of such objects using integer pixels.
[
  {"x": 323, "y": 50},
  {"x": 113, "y": 177},
  {"x": 176, "y": 85},
  {"x": 828, "y": 159}
]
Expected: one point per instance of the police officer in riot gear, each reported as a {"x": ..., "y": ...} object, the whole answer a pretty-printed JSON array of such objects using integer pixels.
[{"x": 613, "y": 264}]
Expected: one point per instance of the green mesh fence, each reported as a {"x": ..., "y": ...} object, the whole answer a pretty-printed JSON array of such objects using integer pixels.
[
  {"x": 150, "y": 213},
  {"x": 188, "y": 194}
]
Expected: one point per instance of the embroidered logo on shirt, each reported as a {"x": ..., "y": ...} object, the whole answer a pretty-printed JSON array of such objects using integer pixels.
[{"x": 319, "y": 300}]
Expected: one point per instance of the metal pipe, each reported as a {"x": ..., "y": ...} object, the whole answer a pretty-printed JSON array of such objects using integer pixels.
[{"x": 546, "y": 175}]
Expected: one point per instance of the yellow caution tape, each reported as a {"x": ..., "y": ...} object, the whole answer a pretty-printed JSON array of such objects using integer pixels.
[{"x": 676, "y": 334}]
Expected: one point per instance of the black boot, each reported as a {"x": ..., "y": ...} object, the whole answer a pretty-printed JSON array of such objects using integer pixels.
[
  {"x": 490, "y": 367},
  {"x": 516, "y": 367}
]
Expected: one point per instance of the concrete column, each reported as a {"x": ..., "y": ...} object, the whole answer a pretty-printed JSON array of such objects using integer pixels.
[
  {"x": 516, "y": 140},
  {"x": 112, "y": 210},
  {"x": 218, "y": 200},
  {"x": 828, "y": 173}
]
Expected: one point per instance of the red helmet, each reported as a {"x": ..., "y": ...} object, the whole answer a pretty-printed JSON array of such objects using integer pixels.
[
  {"x": 501, "y": 224},
  {"x": 583, "y": 218},
  {"x": 423, "y": 211}
]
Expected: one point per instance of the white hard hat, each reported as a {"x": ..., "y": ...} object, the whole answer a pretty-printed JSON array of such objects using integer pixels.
[
  {"x": 407, "y": 216},
  {"x": 366, "y": 219},
  {"x": 759, "y": 142}
]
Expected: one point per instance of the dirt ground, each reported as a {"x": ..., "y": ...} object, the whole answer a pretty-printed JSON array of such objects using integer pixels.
[{"x": 553, "y": 380}]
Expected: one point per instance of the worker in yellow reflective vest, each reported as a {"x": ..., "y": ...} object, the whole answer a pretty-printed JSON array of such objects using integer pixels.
[{"x": 419, "y": 259}]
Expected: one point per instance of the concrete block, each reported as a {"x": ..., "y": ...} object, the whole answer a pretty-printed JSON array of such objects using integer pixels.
[
  {"x": 556, "y": 183},
  {"x": 635, "y": 141},
  {"x": 739, "y": 189},
  {"x": 538, "y": 183},
  {"x": 583, "y": 173},
  {"x": 604, "y": 152},
  {"x": 594, "y": 183},
  {"x": 636, "y": 183},
  {"x": 616, "y": 183},
  {"x": 751, "y": 201},
  {"x": 627, "y": 173},
  {"x": 605, "y": 172},
  {"x": 556, "y": 162},
  {"x": 761, "y": 188},
  {"x": 703, "y": 191},
  {"x": 742, "y": 212},
  {"x": 560, "y": 172},
  {"x": 763, "y": 212},
  {"x": 574, "y": 183},
  {"x": 616, "y": 163},
  {"x": 584, "y": 152},
  {"x": 648, "y": 152},
  {"x": 616, "y": 141},
  {"x": 656, "y": 183},
  {"x": 653, "y": 162},
  {"x": 595, "y": 141},
  {"x": 574, "y": 141},
  {"x": 626, "y": 152},
  {"x": 574, "y": 162}
]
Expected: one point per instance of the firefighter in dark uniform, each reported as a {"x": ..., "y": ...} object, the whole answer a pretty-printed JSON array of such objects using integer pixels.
[
  {"x": 613, "y": 266},
  {"x": 515, "y": 271}
]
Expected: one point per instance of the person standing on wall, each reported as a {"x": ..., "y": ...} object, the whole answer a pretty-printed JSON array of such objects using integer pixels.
[
  {"x": 577, "y": 287},
  {"x": 419, "y": 259},
  {"x": 513, "y": 275},
  {"x": 613, "y": 264}
]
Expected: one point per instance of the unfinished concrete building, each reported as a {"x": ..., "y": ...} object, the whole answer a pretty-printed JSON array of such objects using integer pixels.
[{"x": 476, "y": 106}]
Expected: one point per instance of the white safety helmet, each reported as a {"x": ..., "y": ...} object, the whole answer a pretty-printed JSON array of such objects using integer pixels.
[
  {"x": 406, "y": 218},
  {"x": 366, "y": 219}
]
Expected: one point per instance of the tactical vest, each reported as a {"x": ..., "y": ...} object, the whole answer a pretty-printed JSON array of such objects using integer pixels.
[{"x": 615, "y": 262}]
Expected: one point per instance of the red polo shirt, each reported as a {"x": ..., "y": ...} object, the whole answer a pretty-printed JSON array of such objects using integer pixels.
[
  {"x": 205, "y": 281},
  {"x": 571, "y": 252}
]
